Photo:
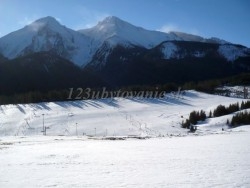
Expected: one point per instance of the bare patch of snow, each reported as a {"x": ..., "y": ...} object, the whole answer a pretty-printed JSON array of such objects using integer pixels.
[
  {"x": 170, "y": 50},
  {"x": 232, "y": 52},
  {"x": 199, "y": 54}
]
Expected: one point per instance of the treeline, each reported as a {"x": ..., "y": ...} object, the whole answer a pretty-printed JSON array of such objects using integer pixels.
[
  {"x": 34, "y": 97},
  {"x": 221, "y": 110},
  {"x": 43, "y": 95},
  {"x": 209, "y": 86},
  {"x": 241, "y": 118},
  {"x": 82, "y": 93}
]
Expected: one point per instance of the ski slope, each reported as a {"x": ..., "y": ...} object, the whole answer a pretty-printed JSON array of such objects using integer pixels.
[
  {"x": 111, "y": 117},
  {"x": 208, "y": 158}
]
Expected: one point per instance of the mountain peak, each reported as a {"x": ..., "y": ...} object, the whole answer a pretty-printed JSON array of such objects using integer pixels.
[
  {"x": 46, "y": 34},
  {"x": 117, "y": 31},
  {"x": 111, "y": 19},
  {"x": 47, "y": 20},
  {"x": 112, "y": 22}
]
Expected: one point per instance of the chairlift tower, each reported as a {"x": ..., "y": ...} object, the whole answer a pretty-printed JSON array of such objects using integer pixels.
[
  {"x": 43, "y": 125},
  {"x": 76, "y": 130}
]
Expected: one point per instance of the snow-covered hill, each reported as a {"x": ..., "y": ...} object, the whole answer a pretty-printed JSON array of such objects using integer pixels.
[
  {"x": 28, "y": 159},
  {"x": 119, "y": 117}
]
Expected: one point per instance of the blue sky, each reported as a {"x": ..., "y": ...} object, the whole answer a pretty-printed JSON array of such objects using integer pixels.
[{"x": 226, "y": 19}]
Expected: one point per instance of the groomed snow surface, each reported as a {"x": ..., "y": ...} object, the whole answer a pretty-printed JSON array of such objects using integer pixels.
[
  {"x": 219, "y": 160},
  {"x": 208, "y": 158}
]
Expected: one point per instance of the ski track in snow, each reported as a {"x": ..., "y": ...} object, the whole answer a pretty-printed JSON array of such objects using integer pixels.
[{"x": 117, "y": 117}]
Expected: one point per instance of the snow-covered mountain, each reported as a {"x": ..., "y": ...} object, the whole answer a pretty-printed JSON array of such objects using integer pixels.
[
  {"x": 117, "y": 31},
  {"x": 228, "y": 51},
  {"x": 47, "y": 34},
  {"x": 113, "y": 32},
  {"x": 95, "y": 44},
  {"x": 196, "y": 38}
]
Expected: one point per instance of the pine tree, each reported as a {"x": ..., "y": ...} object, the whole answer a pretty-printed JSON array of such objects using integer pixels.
[
  {"x": 203, "y": 115},
  {"x": 242, "y": 105},
  {"x": 193, "y": 117},
  {"x": 220, "y": 111},
  {"x": 210, "y": 114},
  {"x": 186, "y": 124}
]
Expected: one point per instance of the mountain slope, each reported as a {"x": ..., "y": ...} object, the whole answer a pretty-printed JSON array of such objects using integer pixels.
[
  {"x": 2, "y": 58},
  {"x": 113, "y": 32},
  {"x": 42, "y": 71},
  {"x": 196, "y": 38},
  {"x": 47, "y": 34},
  {"x": 176, "y": 61}
]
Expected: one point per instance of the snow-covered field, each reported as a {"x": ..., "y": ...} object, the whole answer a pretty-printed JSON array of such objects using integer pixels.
[
  {"x": 218, "y": 160},
  {"x": 106, "y": 117},
  {"x": 208, "y": 158}
]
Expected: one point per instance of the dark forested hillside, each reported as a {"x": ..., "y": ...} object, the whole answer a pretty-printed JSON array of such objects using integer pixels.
[
  {"x": 42, "y": 71},
  {"x": 133, "y": 66},
  {"x": 175, "y": 62}
]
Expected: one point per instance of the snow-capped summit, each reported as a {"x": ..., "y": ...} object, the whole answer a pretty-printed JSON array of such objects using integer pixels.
[
  {"x": 48, "y": 21},
  {"x": 113, "y": 21},
  {"x": 47, "y": 34},
  {"x": 117, "y": 31}
]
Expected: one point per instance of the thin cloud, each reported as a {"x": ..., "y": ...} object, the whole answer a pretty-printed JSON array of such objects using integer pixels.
[
  {"x": 89, "y": 18},
  {"x": 194, "y": 32},
  {"x": 172, "y": 27},
  {"x": 33, "y": 25},
  {"x": 30, "y": 21},
  {"x": 27, "y": 20},
  {"x": 58, "y": 19},
  {"x": 169, "y": 27},
  {"x": 36, "y": 26}
]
